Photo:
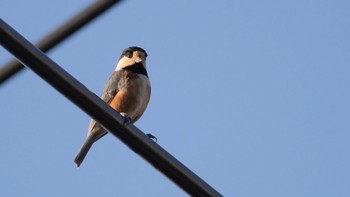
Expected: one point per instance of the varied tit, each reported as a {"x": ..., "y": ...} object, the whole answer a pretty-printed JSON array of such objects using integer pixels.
[{"x": 128, "y": 91}]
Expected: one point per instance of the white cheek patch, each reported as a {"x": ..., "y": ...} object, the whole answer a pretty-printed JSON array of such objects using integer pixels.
[{"x": 123, "y": 63}]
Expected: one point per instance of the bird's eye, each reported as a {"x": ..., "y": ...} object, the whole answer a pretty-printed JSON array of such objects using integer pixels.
[{"x": 128, "y": 54}]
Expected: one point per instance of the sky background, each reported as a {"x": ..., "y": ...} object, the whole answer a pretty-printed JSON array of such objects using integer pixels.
[{"x": 253, "y": 96}]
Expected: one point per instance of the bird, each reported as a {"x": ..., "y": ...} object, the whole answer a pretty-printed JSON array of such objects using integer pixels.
[{"x": 128, "y": 91}]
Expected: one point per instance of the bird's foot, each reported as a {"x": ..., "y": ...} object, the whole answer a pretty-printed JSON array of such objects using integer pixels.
[
  {"x": 152, "y": 137},
  {"x": 126, "y": 118}
]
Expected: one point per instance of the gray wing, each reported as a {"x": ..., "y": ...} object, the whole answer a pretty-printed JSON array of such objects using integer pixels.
[
  {"x": 110, "y": 90},
  {"x": 112, "y": 87}
]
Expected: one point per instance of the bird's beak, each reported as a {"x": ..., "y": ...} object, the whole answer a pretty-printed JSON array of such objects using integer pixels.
[{"x": 138, "y": 60}]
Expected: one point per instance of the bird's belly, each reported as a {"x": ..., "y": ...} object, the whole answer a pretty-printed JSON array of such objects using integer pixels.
[{"x": 133, "y": 98}]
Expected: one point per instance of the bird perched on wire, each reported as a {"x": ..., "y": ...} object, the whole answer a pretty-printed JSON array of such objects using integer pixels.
[{"x": 128, "y": 91}]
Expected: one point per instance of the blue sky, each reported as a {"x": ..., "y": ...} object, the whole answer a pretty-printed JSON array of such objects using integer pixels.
[{"x": 253, "y": 96}]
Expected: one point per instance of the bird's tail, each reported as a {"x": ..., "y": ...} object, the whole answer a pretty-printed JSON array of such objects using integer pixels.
[{"x": 84, "y": 150}]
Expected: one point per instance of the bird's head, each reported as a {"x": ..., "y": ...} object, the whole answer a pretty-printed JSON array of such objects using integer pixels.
[{"x": 131, "y": 56}]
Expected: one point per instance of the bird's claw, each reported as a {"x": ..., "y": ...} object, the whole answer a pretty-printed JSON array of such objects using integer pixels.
[
  {"x": 126, "y": 118},
  {"x": 152, "y": 137}
]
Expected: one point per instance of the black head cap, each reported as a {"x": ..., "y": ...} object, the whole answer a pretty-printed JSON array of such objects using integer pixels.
[{"x": 128, "y": 51}]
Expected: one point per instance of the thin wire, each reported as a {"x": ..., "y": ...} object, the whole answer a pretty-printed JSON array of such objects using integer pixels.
[{"x": 60, "y": 34}]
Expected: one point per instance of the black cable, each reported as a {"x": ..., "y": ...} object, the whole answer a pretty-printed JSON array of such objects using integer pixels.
[
  {"x": 60, "y": 34},
  {"x": 134, "y": 138}
]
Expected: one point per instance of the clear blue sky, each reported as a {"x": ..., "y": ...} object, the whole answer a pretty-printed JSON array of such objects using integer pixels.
[{"x": 253, "y": 96}]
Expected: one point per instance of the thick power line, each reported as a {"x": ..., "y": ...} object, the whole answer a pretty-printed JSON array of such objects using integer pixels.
[{"x": 134, "y": 138}]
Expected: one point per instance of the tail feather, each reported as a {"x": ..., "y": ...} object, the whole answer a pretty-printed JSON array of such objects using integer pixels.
[{"x": 84, "y": 150}]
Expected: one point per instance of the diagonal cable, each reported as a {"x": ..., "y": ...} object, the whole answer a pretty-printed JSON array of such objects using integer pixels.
[
  {"x": 60, "y": 34},
  {"x": 76, "y": 92}
]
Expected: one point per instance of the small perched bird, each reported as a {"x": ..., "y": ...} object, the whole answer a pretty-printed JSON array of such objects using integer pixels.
[{"x": 128, "y": 91}]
